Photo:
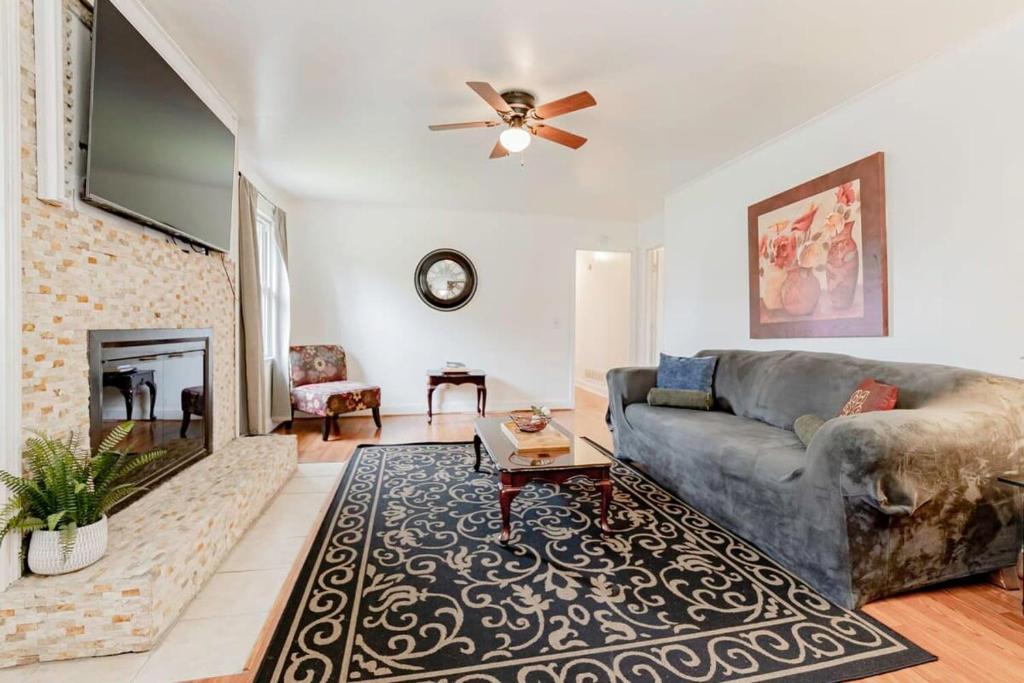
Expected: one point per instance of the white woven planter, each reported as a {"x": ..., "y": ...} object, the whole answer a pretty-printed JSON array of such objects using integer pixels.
[{"x": 44, "y": 556}]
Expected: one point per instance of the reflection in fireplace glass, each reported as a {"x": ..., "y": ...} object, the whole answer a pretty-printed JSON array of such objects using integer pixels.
[
  {"x": 163, "y": 394},
  {"x": 159, "y": 383}
]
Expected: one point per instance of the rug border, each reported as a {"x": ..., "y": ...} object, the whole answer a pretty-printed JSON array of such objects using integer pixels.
[{"x": 268, "y": 663}]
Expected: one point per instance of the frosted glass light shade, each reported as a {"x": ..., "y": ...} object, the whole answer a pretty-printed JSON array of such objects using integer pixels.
[{"x": 515, "y": 139}]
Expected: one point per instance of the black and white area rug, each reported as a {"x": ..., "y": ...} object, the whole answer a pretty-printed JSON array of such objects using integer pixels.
[{"x": 406, "y": 581}]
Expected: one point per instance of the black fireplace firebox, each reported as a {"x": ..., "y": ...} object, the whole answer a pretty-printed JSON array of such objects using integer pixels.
[{"x": 161, "y": 380}]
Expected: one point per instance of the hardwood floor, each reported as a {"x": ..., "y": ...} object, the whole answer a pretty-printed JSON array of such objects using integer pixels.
[{"x": 975, "y": 629}]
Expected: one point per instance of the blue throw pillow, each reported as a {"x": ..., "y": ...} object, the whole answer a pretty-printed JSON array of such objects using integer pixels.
[{"x": 695, "y": 374}]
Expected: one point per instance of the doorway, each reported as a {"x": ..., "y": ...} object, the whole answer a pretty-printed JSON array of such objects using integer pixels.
[
  {"x": 654, "y": 293},
  {"x": 603, "y": 325}
]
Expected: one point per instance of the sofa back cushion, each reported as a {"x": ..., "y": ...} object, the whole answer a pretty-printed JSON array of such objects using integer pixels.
[{"x": 779, "y": 386}]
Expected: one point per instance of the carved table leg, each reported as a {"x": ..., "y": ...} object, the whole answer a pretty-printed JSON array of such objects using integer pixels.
[
  {"x": 483, "y": 402},
  {"x": 477, "y": 443},
  {"x": 605, "y": 485},
  {"x": 152, "y": 400},
  {"x": 430, "y": 405},
  {"x": 128, "y": 401},
  {"x": 506, "y": 494}
]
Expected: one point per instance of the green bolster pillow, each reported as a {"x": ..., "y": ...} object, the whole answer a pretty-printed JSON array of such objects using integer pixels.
[
  {"x": 806, "y": 426},
  {"x": 679, "y": 398}
]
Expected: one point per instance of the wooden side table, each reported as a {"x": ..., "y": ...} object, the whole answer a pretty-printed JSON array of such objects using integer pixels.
[
  {"x": 127, "y": 383},
  {"x": 436, "y": 378}
]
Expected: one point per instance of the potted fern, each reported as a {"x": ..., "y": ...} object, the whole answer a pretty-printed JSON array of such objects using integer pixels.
[{"x": 63, "y": 498}]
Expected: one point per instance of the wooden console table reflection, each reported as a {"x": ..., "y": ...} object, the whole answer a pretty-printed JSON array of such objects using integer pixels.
[
  {"x": 127, "y": 383},
  {"x": 436, "y": 378}
]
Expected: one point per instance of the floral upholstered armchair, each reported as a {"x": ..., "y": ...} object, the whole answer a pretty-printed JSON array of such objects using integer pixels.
[{"x": 320, "y": 386}]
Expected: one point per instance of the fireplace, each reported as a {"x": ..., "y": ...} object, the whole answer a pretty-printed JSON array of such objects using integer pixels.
[{"x": 161, "y": 380}]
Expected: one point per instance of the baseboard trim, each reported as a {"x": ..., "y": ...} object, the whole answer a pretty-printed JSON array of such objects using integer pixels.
[{"x": 593, "y": 387}]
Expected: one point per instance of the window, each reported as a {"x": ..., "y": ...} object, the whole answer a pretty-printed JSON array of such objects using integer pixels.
[{"x": 270, "y": 276}]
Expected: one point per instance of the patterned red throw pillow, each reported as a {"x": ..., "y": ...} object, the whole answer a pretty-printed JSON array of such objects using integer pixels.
[{"x": 871, "y": 395}]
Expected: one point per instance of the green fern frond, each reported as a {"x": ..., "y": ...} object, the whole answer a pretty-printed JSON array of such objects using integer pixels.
[
  {"x": 140, "y": 460},
  {"x": 66, "y": 488},
  {"x": 68, "y": 534},
  {"x": 53, "y": 520},
  {"x": 116, "y": 436},
  {"x": 116, "y": 494}
]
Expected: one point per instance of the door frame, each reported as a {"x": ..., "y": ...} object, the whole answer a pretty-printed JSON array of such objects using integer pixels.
[
  {"x": 646, "y": 353},
  {"x": 10, "y": 266},
  {"x": 572, "y": 314}
]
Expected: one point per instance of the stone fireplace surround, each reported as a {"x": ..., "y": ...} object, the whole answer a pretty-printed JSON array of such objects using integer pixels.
[
  {"x": 162, "y": 550},
  {"x": 83, "y": 269}
]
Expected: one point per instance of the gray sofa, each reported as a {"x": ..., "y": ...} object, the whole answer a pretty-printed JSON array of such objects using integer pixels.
[{"x": 879, "y": 503}]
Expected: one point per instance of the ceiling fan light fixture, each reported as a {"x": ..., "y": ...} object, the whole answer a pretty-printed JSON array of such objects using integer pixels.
[{"x": 515, "y": 139}]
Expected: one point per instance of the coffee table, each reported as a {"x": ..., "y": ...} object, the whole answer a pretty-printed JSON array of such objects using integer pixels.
[{"x": 584, "y": 459}]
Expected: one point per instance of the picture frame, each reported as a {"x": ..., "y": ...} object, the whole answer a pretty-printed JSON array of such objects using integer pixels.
[{"x": 818, "y": 263}]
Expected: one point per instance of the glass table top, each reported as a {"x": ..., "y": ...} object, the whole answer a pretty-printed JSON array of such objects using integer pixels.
[{"x": 581, "y": 452}]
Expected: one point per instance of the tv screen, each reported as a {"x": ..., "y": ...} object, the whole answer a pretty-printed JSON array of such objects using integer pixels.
[{"x": 156, "y": 153}]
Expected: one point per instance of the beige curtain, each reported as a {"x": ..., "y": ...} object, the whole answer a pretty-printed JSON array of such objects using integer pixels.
[
  {"x": 251, "y": 381},
  {"x": 280, "y": 383}
]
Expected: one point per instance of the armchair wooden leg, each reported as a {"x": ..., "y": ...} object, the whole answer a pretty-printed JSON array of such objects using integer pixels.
[
  {"x": 326, "y": 432},
  {"x": 376, "y": 417}
]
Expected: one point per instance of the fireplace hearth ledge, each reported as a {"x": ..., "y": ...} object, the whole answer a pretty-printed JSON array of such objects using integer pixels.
[{"x": 163, "y": 548}]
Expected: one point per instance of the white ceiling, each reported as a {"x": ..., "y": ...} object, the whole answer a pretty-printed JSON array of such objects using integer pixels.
[{"x": 334, "y": 97}]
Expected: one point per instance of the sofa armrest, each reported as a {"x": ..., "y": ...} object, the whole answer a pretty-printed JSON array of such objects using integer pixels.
[
  {"x": 898, "y": 460},
  {"x": 626, "y": 386}
]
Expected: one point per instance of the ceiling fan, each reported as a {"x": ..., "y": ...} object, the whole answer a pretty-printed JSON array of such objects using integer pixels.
[{"x": 523, "y": 118}]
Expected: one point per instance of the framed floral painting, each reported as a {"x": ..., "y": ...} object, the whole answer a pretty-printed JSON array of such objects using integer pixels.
[{"x": 818, "y": 257}]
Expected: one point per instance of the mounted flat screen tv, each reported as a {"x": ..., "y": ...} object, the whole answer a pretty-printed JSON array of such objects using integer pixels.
[{"x": 156, "y": 153}]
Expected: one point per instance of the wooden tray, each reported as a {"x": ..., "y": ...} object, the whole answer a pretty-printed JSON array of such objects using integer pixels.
[{"x": 548, "y": 440}]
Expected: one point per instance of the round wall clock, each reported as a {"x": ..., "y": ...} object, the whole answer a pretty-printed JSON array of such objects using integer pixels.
[{"x": 445, "y": 279}]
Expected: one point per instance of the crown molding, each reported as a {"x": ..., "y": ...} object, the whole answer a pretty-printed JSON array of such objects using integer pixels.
[{"x": 155, "y": 34}]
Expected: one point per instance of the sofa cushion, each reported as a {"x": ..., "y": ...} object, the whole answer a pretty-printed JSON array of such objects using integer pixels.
[
  {"x": 335, "y": 398},
  {"x": 693, "y": 374},
  {"x": 734, "y": 446},
  {"x": 871, "y": 395},
  {"x": 779, "y": 386},
  {"x": 680, "y": 398},
  {"x": 806, "y": 426}
]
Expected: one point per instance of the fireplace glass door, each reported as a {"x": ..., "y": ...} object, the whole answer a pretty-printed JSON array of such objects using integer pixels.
[{"x": 158, "y": 379}]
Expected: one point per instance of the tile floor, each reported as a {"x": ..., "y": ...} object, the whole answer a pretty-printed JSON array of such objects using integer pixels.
[{"x": 218, "y": 630}]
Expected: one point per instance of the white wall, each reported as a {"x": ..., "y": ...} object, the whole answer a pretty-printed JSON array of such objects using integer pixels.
[
  {"x": 603, "y": 331},
  {"x": 351, "y": 270},
  {"x": 953, "y": 138}
]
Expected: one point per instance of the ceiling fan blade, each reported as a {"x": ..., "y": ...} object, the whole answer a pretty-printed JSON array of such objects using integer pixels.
[
  {"x": 562, "y": 137},
  {"x": 468, "y": 124},
  {"x": 498, "y": 151},
  {"x": 490, "y": 96},
  {"x": 580, "y": 100}
]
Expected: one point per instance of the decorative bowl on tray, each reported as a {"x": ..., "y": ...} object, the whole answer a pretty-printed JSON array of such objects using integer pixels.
[{"x": 530, "y": 421}]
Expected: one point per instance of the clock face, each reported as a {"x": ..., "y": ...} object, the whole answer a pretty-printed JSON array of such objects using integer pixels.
[{"x": 445, "y": 279}]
